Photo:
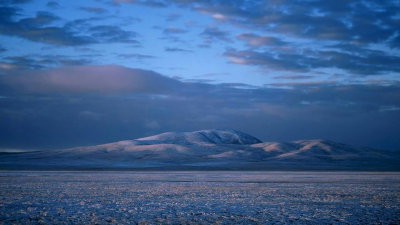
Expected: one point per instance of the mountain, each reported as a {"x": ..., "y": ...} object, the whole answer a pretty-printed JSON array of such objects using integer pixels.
[
  {"x": 208, "y": 150},
  {"x": 201, "y": 137}
]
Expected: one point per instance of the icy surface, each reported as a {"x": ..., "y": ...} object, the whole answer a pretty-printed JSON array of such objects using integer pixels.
[{"x": 199, "y": 198}]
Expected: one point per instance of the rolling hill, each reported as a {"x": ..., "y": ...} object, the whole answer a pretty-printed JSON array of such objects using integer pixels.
[{"x": 207, "y": 150}]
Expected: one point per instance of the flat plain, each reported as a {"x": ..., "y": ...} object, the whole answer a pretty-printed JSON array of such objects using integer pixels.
[{"x": 206, "y": 197}]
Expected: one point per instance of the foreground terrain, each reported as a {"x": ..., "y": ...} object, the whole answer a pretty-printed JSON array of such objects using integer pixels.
[{"x": 199, "y": 197}]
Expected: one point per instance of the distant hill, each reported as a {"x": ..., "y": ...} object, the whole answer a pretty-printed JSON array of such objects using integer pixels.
[{"x": 207, "y": 150}]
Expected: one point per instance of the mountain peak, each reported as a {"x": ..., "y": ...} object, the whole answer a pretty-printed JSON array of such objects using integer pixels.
[{"x": 211, "y": 136}]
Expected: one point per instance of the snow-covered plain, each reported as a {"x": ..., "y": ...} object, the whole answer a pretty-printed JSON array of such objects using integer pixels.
[{"x": 199, "y": 197}]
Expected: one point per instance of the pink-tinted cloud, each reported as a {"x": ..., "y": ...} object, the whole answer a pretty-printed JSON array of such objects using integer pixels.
[{"x": 89, "y": 79}]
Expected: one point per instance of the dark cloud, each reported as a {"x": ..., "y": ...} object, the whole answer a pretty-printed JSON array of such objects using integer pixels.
[
  {"x": 173, "y": 17},
  {"x": 213, "y": 33},
  {"x": 294, "y": 77},
  {"x": 371, "y": 62},
  {"x": 174, "y": 30},
  {"x": 14, "y": 2},
  {"x": 33, "y": 29},
  {"x": 204, "y": 45},
  {"x": 320, "y": 83},
  {"x": 155, "y": 4},
  {"x": 150, "y": 3},
  {"x": 41, "y": 62},
  {"x": 42, "y": 18},
  {"x": 52, "y": 4},
  {"x": 77, "y": 32},
  {"x": 105, "y": 33},
  {"x": 136, "y": 56},
  {"x": 257, "y": 40},
  {"x": 269, "y": 60},
  {"x": 395, "y": 42},
  {"x": 87, "y": 105},
  {"x": 96, "y": 10}
]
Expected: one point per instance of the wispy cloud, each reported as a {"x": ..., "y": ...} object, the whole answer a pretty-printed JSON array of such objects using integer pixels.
[
  {"x": 174, "y": 30},
  {"x": 173, "y": 17},
  {"x": 96, "y": 10},
  {"x": 171, "y": 49},
  {"x": 257, "y": 40},
  {"x": 294, "y": 77},
  {"x": 214, "y": 33},
  {"x": 136, "y": 56},
  {"x": 42, "y": 61}
]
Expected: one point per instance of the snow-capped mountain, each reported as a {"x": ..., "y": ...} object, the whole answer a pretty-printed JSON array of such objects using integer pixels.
[
  {"x": 201, "y": 137},
  {"x": 208, "y": 149}
]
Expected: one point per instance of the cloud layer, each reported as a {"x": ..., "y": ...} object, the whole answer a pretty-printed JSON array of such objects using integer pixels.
[
  {"x": 88, "y": 79},
  {"x": 94, "y": 104}
]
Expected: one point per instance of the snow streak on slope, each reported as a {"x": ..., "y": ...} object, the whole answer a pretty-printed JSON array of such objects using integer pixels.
[
  {"x": 201, "y": 137},
  {"x": 208, "y": 149}
]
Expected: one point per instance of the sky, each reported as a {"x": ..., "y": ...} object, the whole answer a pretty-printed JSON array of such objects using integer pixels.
[{"x": 75, "y": 73}]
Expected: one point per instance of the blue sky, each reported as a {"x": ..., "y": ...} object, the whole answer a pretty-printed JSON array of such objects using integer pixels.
[{"x": 122, "y": 69}]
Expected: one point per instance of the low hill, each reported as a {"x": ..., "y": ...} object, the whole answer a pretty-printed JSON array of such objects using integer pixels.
[{"x": 207, "y": 150}]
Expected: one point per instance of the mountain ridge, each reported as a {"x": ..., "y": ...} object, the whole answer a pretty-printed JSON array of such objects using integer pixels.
[{"x": 208, "y": 149}]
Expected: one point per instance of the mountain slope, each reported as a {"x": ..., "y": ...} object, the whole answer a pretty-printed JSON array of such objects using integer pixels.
[
  {"x": 208, "y": 149},
  {"x": 216, "y": 136}
]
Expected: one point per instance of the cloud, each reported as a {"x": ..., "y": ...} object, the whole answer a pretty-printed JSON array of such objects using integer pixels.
[
  {"x": 52, "y": 4},
  {"x": 358, "y": 21},
  {"x": 385, "y": 108},
  {"x": 371, "y": 62},
  {"x": 174, "y": 30},
  {"x": 111, "y": 103},
  {"x": 358, "y": 37},
  {"x": 107, "y": 33},
  {"x": 73, "y": 33},
  {"x": 294, "y": 77},
  {"x": 173, "y": 17},
  {"x": 291, "y": 62},
  {"x": 41, "y": 61},
  {"x": 12, "y": 2},
  {"x": 170, "y": 49},
  {"x": 150, "y": 3},
  {"x": 136, "y": 56},
  {"x": 213, "y": 33},
  {"x": 303, "y": 83},
  {"x": 96, "y": 10},
  {"x": 34, "y": 29},
  {"x": 257, "y": 41},
  {"x": 88, "y": 79},
  {"x": 155, "y": 4}
]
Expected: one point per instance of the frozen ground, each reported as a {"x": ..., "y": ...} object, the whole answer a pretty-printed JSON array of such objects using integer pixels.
[{"x": 199, "y": 198}]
